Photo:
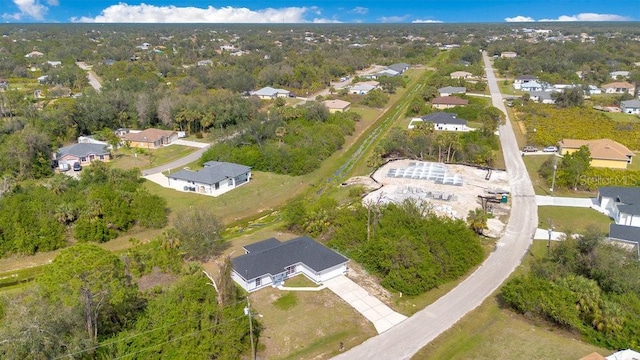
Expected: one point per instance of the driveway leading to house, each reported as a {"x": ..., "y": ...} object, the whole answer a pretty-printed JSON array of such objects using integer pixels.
[
  {"x": 158, "y": 178},
  {"x": 405, "y": 339},
  {"x": 382, "y": 316},
  {"x": 542, "y": 200},
  {"x": 195, "y": 144},
  {"x": 177, "y": 163}
]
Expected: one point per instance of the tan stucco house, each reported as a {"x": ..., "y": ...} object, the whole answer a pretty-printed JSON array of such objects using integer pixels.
[{"x": 604, "y": 152}]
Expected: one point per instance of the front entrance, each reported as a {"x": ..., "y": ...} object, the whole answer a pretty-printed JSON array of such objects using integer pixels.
[{"x": 278, "y": 279}]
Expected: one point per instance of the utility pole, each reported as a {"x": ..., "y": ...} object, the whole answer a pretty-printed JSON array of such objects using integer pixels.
[
  {"x": 550, "y": 231},
  {"x": 247, "y": 311},
  {"x": 555, "y": 168}
]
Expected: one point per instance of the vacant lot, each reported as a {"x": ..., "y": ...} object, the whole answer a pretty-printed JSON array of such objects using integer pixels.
[
  {"x": 147, "y": 158},
  {"x": 574, "y": 220},
  {"x": 540, "y": 186}
]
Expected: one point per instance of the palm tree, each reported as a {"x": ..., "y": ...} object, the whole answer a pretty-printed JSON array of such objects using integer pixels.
[{"x": 477, "y": 220}]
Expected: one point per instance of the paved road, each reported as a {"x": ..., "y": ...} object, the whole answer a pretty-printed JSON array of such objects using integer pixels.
[
  {"x": 91, "y": 76},
  {"x": 408, "y": 337}
]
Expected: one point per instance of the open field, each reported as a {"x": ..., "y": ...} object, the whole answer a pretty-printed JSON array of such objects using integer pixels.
[
  {"x": 493, "y": 332},
  {"x": 622, "y": 117},
  {"x": 574, "y": 220},
  {"x": 146, "y": 158}
]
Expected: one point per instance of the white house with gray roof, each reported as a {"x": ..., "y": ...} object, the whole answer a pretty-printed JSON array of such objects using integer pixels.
[
  {"x": 268, "y": 93},
  {"x": 630, "y": 106},
  {"x": 622, "y": 204},
  {"x": 627, "y": 236},
  {"x": 452, "y": 90},
  {"x": 216, "y": 178},
  {"x": 271, "y": 262},
  {"x": 442, "y": 121}
]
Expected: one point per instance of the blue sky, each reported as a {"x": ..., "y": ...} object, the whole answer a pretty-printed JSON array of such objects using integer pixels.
[{"x": 319, "y": 11}]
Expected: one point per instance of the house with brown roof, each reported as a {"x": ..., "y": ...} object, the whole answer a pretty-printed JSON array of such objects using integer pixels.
[
  {"x": 447, "y": 102},
  {"x": 604, "y": 152},
  {"x": 618, "y": 87},
  {"x": 461, "y": 75},
  {"x": 336, "y": 105},
  {"x": 150, "y": 138}
]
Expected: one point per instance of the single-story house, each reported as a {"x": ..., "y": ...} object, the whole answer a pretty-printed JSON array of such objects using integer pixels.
[
  {"x": 4, "y": 84},
  {"x": 618, "y": 87},
  {"x": 533, "y": 85},
  {"x": 55, "y": 63},
  {"x": 622, "y": 204},
  {"x": 627, "y": 236},
  {"x": 386, "y": 72},
  {"x": 508, "y": 54},
  {"x": 205, "y": 63},
  {"x": 150, "y": 138},
  {"x": 271, "y": 262},
  {"x": 336, "y": 105},
  {"x": 92, "y": 140},
  {"x": 543, "y": 97},
  {"x": 82, "y": 153},
  {"x": 460, "y": 75},
  {"x": 399, "y": 67},
  {"x": 216, "y": 178},
  {"x": 451, "y": 90},
  {"x": 523, "y": 79},
  {"x": 630, "y": 106},
  {"x": 592, "y": 90},
  {"x": 361, "y": 88},
  {"x": 34, "y": 54},
  {"x": 627, "y": 354},
  {"x": 442, "y": 121},
  {"x": 446, "y": 102},
  {"x": 269, "y": 93},
  {"x": 615, "y": 75},
  {"x": 42, "y": 79},
  {"x": 604, "y": 152}
]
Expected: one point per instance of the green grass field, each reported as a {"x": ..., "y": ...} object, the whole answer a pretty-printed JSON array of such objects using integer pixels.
[
  {"x": 572, "y": 219},
  {"x": 540, "y": 186},
  {"x": 127, "y": 159},
  {"x": 622, "y": 117}
]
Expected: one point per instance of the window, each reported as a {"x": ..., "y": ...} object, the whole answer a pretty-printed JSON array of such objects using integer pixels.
[
  {"x": 101, "y": 157},
  {"x": 217, "y": 186},
  {"x": 258, "y": 282},
  {"x": 83, "y": 159},
  {"x": 290, "y": 269},
  {"x": 230, "y": 182}
]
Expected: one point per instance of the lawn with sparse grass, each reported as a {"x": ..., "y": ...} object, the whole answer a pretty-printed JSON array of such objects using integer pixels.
[
  {"x": 313, "y": 328},
  {"x": 146, "y": 158},
  {"x": 299, "y": 281},
  {"x": 622, "y": 117},
  {"x": 572, "y": 219},
  {"x": 494, "y": 332}
]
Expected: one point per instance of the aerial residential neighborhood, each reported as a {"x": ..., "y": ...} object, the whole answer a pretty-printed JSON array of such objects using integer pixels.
[{"x": 289, "y": 189}]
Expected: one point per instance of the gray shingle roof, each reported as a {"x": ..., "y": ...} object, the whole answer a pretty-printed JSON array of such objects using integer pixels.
[
  {"x": 274, "y": 260},
  {"x": 400, "y": 67},
  {"x": 83, "y": 150},
  {"x": 630, "y": 209},
  {"x": 623, "y": 232},
  {"x": 444, "y": 118},
  {"x": 262, "y": 245},
  {"x": 453, "y": 90},
  {"x": 213, "y": 172},
  {"x": 625, "y": 195},
  {"x": 630, "y": 103}
]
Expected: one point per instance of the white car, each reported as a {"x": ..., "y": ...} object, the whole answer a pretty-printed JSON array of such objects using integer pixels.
[{"x": 550, "y": 149}]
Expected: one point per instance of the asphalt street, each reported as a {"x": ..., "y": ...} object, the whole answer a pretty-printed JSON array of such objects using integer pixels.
[{"x": 405, "y": 339}]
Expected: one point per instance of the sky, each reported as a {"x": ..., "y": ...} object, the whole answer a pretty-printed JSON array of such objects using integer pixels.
[{"x": 316, "y": 11}]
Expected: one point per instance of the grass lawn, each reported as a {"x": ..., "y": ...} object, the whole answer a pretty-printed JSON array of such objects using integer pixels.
[
  {"x": 127, "y": 159},
  {"x": 493, "y": 332},
  {"x": 635, "y": 165},
  {"x": 622, "y": 117},
  {"x": 306, "y": 325},
  {"x": 540, "y": 186},
  {"x": 265, "y": 192},
  {"x": 572, "y": 219}
]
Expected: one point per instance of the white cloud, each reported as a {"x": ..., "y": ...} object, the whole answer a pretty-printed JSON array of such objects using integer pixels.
[
  {"x": 589, "y": 17},
  {"x": 519, "y": 18},
  {"x": 393, "y": 19},
  {"x": 419, "y": 21},
  {"x": 359, "y": 10},
  {"x": 143, "y": 13},
  {"x": 30, "y": 8}
]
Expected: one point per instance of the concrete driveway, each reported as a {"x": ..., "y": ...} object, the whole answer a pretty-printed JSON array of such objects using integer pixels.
[
  {"x": 565, "y": 201},
  {"x": 382, "y": 316}
]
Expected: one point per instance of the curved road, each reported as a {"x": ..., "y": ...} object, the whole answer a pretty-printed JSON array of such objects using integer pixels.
[{"x": 408, "y": 337}]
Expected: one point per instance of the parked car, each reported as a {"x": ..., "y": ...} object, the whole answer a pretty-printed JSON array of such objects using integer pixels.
[
  {"x": 550, "y": 149},
  {"x": 77, "y": 166},
  {"x": 529, "y": 148}
]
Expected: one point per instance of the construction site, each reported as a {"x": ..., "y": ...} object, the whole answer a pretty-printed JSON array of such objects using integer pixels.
[{"x": 448, "y": 190}]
